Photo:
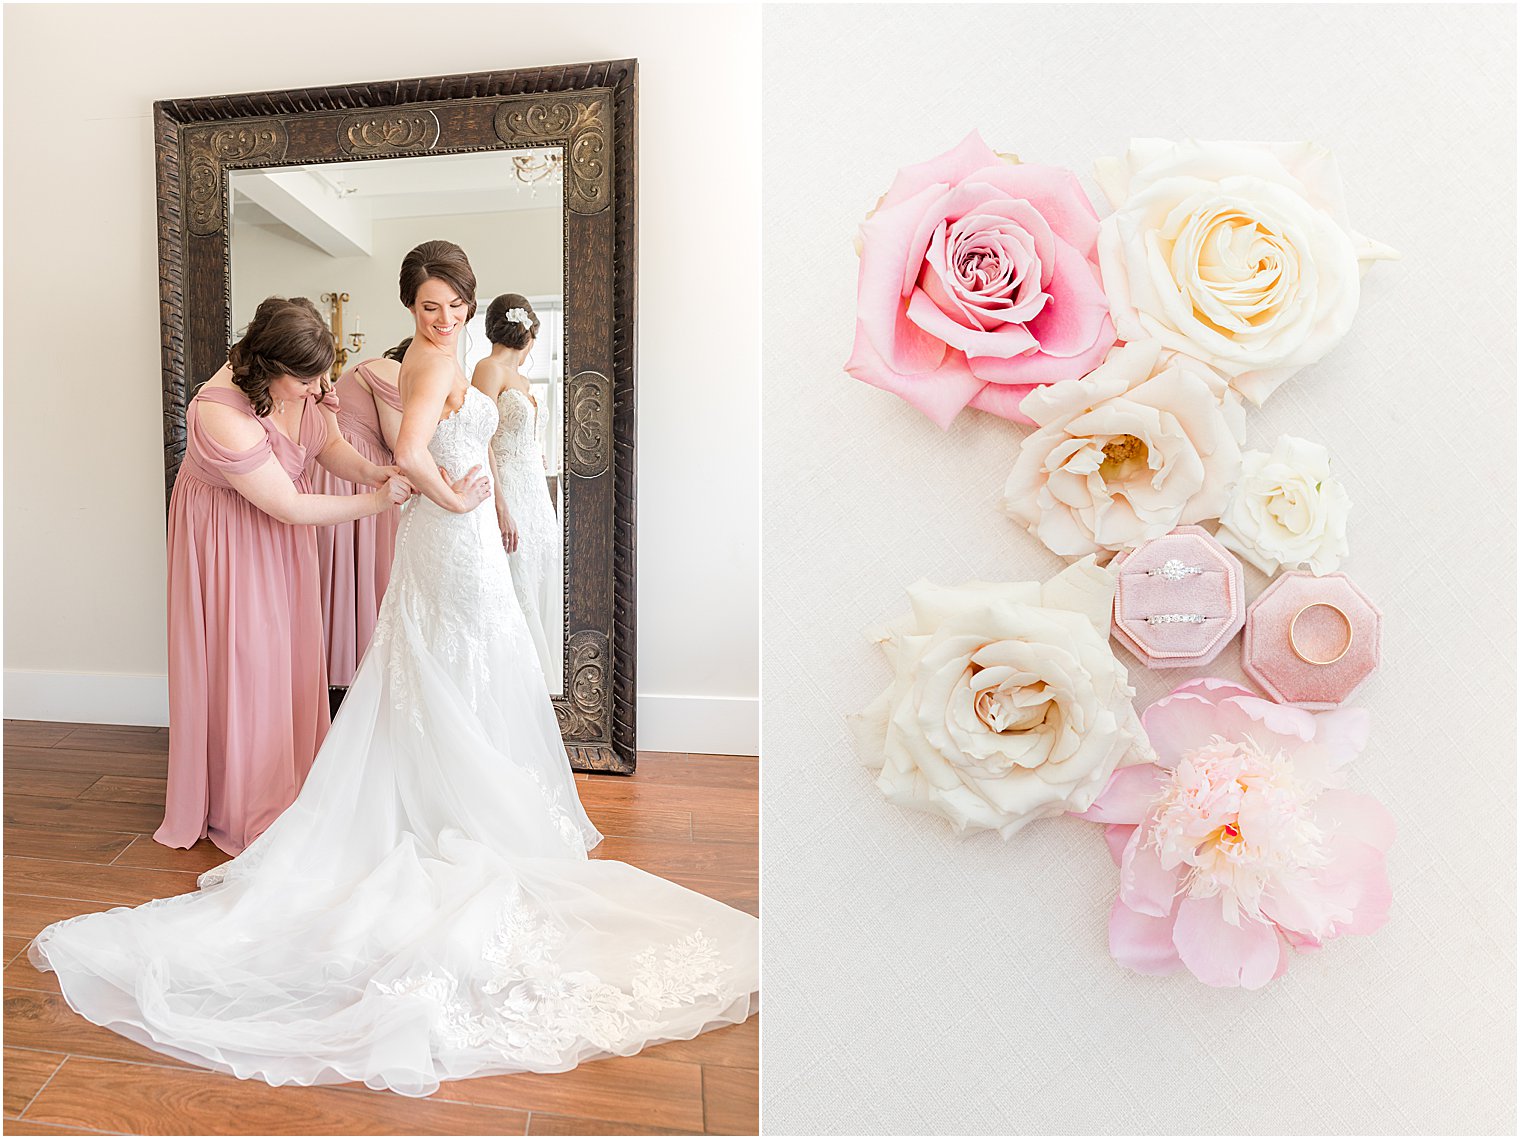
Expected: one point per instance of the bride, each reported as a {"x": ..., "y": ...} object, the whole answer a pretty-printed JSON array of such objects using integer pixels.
[{"x": 425, "y": 910}]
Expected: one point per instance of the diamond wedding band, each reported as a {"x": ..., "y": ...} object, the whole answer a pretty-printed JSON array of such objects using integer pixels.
[
  {"x": 1176, "y": 619},
  {"x": 1174, "y": 570}
]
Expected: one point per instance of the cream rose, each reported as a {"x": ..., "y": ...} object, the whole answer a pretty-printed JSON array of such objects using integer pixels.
[
  {"x": 1239, "y": 254},
  {"x": 1006, "y": 703},
  {"x": 1147, "y": 441},
  {"x": 1287, "y": 510}
]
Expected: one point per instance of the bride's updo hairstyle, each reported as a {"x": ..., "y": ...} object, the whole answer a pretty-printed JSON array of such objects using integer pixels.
[
  {"x": 443, "y": 260},
  {"x": 505, "y": 318},
  {"x": 399, "y": 351},
  {"x": 284, "y": 338}
]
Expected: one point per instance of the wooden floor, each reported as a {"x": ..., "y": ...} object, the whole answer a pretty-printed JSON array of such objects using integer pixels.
[{"x": 81, "y": 803}]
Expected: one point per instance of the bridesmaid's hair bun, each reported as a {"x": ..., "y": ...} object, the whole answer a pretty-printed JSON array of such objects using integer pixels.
[
  {"x": 442, "y": 260},
  {"x": 511, "y": 321},
  {"x": 284, "y": 338},
  {"x": 398, "y": 351}
]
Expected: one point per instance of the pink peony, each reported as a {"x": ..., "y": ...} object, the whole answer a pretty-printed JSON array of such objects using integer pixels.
[
  {"x": 979, "y": 283},
  {"x": 1239, "y": 841}
]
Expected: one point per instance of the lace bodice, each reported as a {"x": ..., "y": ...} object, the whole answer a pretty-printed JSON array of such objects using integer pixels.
[
  {"x": 516, "y": 437},
  {"x": 459, "y": 443}
]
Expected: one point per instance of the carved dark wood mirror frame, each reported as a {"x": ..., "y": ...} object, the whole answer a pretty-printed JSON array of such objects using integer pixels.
[{"x": 591, "y": 111}]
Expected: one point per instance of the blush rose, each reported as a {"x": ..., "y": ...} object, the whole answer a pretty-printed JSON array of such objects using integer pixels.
[{"x": 978, "y": 283}]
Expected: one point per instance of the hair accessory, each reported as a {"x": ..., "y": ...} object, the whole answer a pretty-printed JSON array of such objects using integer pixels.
[
  {"x": 1174, "y": 570},
  {"x": 1176, "y": 619},
  {"x": 1293, "y": 633},
  {"x": 521, "y": 316}
]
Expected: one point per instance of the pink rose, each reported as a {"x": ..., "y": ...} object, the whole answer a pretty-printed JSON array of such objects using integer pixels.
[
  {"x": 979, "y": 283},
  {"x": 1240, "y": 842}
]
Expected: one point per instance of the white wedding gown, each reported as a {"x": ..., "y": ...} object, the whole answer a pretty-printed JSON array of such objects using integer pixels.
[
  {"x": 425, "y": 910},
  {"x": 518, "y": 467}
]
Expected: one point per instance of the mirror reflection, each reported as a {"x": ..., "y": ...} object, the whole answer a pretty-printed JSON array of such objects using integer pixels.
[{"x": 337, "y": 233}]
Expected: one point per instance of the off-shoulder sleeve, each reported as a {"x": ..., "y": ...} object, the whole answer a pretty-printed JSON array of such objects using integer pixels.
[
  {"x": 224, "y": 459},
  {"x": 384, "y": 390},
  {"x": 329, "y": 400}
]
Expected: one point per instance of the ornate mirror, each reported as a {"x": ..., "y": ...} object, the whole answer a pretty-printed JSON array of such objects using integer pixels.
[{"x": 320, "y": 192}]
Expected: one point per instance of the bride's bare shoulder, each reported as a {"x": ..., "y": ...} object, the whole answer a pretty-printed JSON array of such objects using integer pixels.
[
  {"x": 488, "y": 377},
  {"x": 429, "y": 373}
]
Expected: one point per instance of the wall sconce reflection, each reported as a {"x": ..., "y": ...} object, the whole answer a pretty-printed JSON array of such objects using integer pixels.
[{"x": 335, "y": 302}]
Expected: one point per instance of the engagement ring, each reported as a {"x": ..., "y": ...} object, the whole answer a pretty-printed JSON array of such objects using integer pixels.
[{"x": 1174, "y": 570}]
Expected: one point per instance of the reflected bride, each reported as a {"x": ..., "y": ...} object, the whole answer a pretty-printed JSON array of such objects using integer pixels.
[
  {"x": 529, "y": 528},
  {"x": 425, "y": 910}
]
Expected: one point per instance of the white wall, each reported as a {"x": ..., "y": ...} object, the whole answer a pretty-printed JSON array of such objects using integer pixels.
[{"x": 84, "y": 509}]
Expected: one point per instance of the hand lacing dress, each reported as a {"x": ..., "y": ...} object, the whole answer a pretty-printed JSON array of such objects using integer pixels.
[
  {"x": 518, "y": 466},
  {"x": 355, "y": 557},
  {"x": 425, "y": 910}
]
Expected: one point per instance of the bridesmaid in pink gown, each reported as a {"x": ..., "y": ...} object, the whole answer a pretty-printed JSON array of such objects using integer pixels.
[
  {"x": 247, "y": 671},
  {"x": 355, "y": 557}
]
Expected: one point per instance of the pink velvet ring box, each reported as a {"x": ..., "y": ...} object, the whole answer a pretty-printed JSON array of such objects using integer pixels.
[
  {"x": 1269, "y": 657},
  {"x": 1191, "y": 581}
]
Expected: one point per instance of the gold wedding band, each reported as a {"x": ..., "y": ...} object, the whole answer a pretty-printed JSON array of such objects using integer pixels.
[{"x": 1293, "y": 633}]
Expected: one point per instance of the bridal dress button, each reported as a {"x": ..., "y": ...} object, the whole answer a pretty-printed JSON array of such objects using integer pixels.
[
  {"x": 518, "y": 466},
  {"x": 247, "y": 672},
  {"x": 354, "y": 558},
  {"x": 425, "y": 910}
]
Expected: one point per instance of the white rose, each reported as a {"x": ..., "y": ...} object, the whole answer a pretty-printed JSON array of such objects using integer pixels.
[
  {"x": 1144, "y": 443},
  {"x": 1007, "y": 703},
  {"x": 1237, "y": 253},
  {"x": 1287, "y": 510}
]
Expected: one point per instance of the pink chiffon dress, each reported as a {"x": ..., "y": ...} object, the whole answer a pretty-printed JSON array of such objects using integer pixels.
[
  {"x": 355, "y": 557},
  {"x": 247, "y": 672}
]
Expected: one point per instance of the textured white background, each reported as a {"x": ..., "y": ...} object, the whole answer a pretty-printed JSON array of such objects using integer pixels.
[{"x": 917, "y": 983}]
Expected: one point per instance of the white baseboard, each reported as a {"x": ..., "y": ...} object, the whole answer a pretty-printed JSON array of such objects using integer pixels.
[
  {"x": 87, "y": 697},
  {"x": 712, "y": 725},
  {"x": 715, "y": 725}
]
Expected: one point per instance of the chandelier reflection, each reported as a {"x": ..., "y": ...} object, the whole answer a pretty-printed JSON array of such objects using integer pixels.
[{"x": 539, "y": 166}]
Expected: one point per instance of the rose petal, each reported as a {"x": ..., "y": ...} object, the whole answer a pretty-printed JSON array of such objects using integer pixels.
[
  {"x": 1347, "y": 814},
  {"x": 1004, "y": 400},
  {"x": 940, "y": 393},
  {"x": 1044, "y": 368},
  {"x": 1144, "y": 884},
  {"x": 1142, "y": 942},
  {"x": 1343, "y": 733},
  {"x": 1056, "y": 194},
  {"x": 1282, "y": 719},
  {"x": 1128, "y": 796},
  {"x": 1073, "y": 322},
  {"x": 1221, "y": 954},
  {"x": 880, "y": 312},
  {"x": 968, "y": 155},
  {"x": 1116, "y": 838},
  {"x": 1006, "y": 340},
  {"x": 1187, "y": 717},
  {"x": 1362, "y": 869}
]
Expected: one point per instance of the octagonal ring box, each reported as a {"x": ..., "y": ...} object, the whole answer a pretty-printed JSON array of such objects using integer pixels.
[
  {"x": 1268, "y": 655},
  {"x": 1216, "y": 594}
]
